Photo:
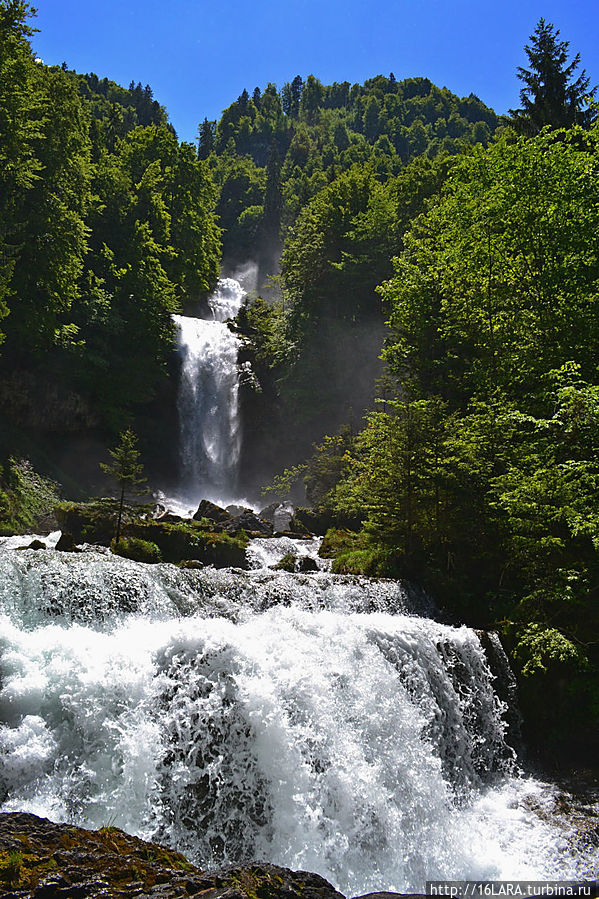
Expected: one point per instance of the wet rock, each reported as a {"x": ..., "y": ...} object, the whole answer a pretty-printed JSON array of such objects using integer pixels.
[
  {"x": 268, "y": 512},
  {"x": 306, "y": 564},
  {"x": 44, "y": 860},
  {"x": 287, "y": 563},
  {"x": 282, "y": 517},
  {"x": 189, "y": 540},
  {"x": 37, "y": 544},
  {"x": 251, "y": 523},
  {"x": 237, "y": 510},
  {"x": 385, "y": 895},
  {"x": 87, "y": 522},
  {"x": 66, "y": 543},
  {"x": 212, "y": 512}
]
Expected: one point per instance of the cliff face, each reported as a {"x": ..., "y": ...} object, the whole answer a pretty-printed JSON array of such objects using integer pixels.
[{"x": 41, "y": 859}]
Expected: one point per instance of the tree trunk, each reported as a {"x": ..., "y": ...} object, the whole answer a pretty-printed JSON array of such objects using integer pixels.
[{"x": 118, "y": 524}]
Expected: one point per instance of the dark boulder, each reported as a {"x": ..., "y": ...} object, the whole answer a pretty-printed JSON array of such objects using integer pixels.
[
  {"x": 287, "y": 563},
  {"x": 212, "y": 512},
  {"x": 268, "y": 512},
  {"x": 88, "y": 522},
  {"x": 37, "y": 544},
  {"x": 283, "y": 517},
  {"x": 237, "y": 510},
  {"x": 249, "y": 522},
  {"x": 66, "y": 543},
  {"x": 170, "y": 517},
  {"x": 306, "y": 564},
  {"x": 386, "y": 895}
]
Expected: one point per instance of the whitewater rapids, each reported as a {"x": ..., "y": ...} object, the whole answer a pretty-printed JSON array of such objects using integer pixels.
[{"x": 313, "y": 721}]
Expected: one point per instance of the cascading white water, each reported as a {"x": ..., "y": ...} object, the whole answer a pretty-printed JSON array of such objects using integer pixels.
[
  {"x": 307, "y": 720},
  {"x": 210, "y": 437}
]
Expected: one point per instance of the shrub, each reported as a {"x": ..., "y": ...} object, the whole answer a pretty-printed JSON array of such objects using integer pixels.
[{"x": 136, "y": 549}]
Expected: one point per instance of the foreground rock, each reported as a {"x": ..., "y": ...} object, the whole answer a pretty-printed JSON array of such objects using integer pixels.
[{"x": 41, "y": 859}]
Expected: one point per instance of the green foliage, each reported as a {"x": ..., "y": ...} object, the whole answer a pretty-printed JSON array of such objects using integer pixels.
[
  {"x": 25, "y": 497},
  {"x": 318, "y": 131},
  {"x": 337, "y": 541},
  {"x": 136, "y": 549},
  {"x": 319, "y": 474},
  {"x": 498, "y": 284},
  {"x": 126, "y": 471},
  {"x": 479, "y": 479},
  {"x": 107, "y": 226},
  {"x": 540, "y": 647}
]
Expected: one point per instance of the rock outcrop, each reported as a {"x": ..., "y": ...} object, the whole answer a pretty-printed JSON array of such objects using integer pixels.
[
  {"x": 212, "y": 512},
  {"x": 44, "y": 860}
]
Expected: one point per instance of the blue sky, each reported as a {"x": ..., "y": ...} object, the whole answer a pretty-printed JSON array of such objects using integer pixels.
[{"x": 198, "y": 55}]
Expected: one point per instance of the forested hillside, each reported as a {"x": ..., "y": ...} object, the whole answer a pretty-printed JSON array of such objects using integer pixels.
[
  {"x": 108, "y": 226},
  {"x": 273, "y": 151}
]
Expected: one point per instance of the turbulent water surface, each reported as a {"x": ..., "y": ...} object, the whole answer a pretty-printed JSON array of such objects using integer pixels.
[{"x": 309, "y": 720}]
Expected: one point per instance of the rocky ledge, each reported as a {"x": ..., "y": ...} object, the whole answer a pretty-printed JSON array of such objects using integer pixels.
[{"x": 45, "y": 860}]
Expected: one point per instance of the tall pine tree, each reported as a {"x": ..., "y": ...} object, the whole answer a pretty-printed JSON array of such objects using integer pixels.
[{"x": 550, "y": 95}]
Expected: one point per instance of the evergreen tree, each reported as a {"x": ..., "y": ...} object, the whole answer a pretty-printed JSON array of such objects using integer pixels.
[
  {"x": 550, "y": 96},
  {"x": 126, "y": 470},
  {"x": 291, "y": 95},
  {"x": 207, "y": 134}
]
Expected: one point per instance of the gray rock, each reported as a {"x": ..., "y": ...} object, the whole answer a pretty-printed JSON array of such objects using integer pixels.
[
  {"x": 282, "y": 517},
  {"x": 250, "y": 523},
  {"x": 237, "y": 510}
]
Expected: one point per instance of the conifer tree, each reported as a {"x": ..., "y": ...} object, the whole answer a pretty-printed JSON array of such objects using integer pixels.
[
  {"x": 207, "y": 135},
  {"x": 126, "y": 470},
  {"x": 550, "y": 95}
]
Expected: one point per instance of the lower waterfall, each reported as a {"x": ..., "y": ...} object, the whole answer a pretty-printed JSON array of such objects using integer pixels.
[{"x": 313, "y": 721}]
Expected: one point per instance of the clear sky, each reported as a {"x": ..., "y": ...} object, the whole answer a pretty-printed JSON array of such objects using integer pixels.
[{"x": 198, "y": 55}]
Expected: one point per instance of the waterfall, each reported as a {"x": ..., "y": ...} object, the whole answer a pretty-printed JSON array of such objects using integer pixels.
[
  {"x": 210, "y": 439},
  {"x": 314, "y": 721}
]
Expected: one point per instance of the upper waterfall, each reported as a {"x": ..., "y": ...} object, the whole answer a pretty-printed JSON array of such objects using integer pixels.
[{"x": 210, "y": 438}]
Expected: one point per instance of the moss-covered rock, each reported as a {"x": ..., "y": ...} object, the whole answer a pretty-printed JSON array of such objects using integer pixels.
[
  {"x": 27, "y": 499},
  {"x": 39, "y": 858},
  {"x": 287, "y": 563},
  {"x": 136, "y": 549},
  {"x": 93, "y": 522},
  {"x": 336, "y": 541},
  {"x": 212, "y": 512},
  {"x": 191, "y": 540}
]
